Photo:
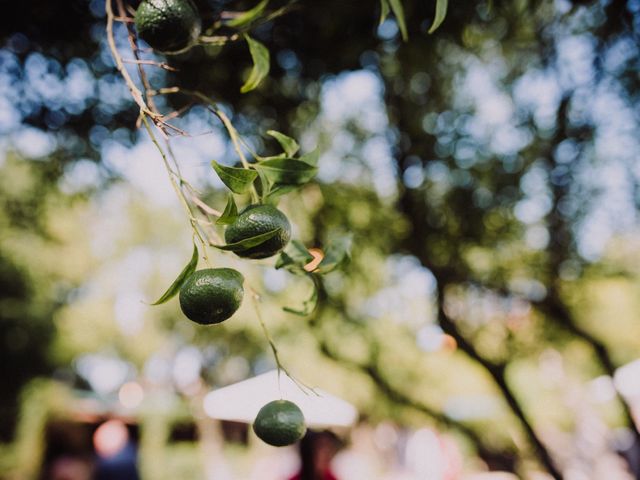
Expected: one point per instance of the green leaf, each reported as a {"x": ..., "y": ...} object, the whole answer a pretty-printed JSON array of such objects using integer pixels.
[
  {"x": 264, "y": 187},
  {"x": 245, "y": 18},
  {"x": 441, "y": 13},
  {"x": 177, "y": 283},
  {"x": 284, "y": 261},
  {"x": 261, "y": 64},
  {"x": 294, "y": 258},
  {"x": 250, "y": 242},
  {"x": 398, "y": 11},
  {"x": 336, "y": 255},
  {"x": 288, "y": 144},
  {"x": 384, "y": 10},
  {"x": 230, "y": 213},
  {"x": 238, "y": 180},
  {"x": 286, "y": 171},
  {"x": 275, "y": 193},
  {"x": 273, "y": 157},
  {"x": 311, "y": 158},
  {"x": 300, "y": 252}
]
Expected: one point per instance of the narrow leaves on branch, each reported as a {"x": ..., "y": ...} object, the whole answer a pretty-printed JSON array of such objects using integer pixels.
[
  {"x": 311, "y": 158},
  {"x": 238, "y": 180},
  {"x": 245, "y": 18},
  {"x": 441, "y": 13},
  {"x": 398, "y": 11},
  {"x": 294, "y": 258},
  {"x": 286, "y": 171},
  {"x": 177, "y": 283},
  {"x": 250, "y": 242},
  {"x": 276, "y": 192},
  {"x": 336, "y": 255},
  {"x": 261, "y": 64},
  {"x": 288, "y": 144},
  {"x": 230, "y": 213},
  {"x": 384, "y": 10}
]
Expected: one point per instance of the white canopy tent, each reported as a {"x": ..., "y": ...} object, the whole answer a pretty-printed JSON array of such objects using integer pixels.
[{"x": 241, "y": 401}]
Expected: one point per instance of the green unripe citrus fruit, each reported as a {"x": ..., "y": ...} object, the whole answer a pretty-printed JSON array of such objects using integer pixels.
[
  {"x": 169, "y": 26},
  {"x": 257, "y": 220},
  {"x": 211, "y": 295},
  {"x": 279, "y": 423}
]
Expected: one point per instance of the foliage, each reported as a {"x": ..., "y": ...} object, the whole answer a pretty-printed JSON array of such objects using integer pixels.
[{"x": 481, "y": 166}]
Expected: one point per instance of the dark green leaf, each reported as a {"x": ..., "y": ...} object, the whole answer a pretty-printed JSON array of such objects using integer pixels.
[
  {"x": 286, "y": 171},
  {"x": 398, "y": 11},
  {"x": 230, "y": 213},
  {"x": 264, "y": 187},
  {"x": 249, "y": 242},
  {"x": 441, "y": 13},
  {"x": 336, "y": 255},
  {"x": 284, "y": 260},
  {"x": 177, "y": 283},
  {"x": 384, "y": 10},
  {"x": 238, "y": 180},
  {"x": 288, "y": 144},
  {"x": 245, "y": 18},
  {"x": 261, "y": 64},
  {"x": 311, "y": 158}
]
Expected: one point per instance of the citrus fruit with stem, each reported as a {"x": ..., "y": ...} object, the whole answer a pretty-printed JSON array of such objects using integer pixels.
[
  {"x": 259, "y": 220},
  {"x": 211, "y": 295},
  {"x": 279, "y": 423},
  {"x": 169, "y": 26}
]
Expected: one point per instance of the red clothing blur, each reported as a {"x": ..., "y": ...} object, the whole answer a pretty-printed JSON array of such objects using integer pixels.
[{"x": 327, "y": 476}]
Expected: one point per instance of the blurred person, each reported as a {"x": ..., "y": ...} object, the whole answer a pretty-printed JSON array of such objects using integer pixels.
[
  {"x": 117, "y": 452},
  {"x": 317, "y": 450}
]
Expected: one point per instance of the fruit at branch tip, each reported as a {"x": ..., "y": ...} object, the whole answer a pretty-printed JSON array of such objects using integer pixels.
[
  {"x": 211, "y": 295},
  {"x": 168, "y": 26}
]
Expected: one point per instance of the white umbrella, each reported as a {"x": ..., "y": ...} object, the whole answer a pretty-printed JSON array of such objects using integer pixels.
[{"x": 241, "y": 401}]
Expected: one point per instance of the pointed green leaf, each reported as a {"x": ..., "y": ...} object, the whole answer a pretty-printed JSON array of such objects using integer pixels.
[
  {"x": 245, "y": 18},
  {"x": 284, "y": 260},
  {"x": 273, "y": 157},
  {"x": 294, "y": 258},
  {"x": 261, "y": 64},
  {"x": 311, "y": 158},
  {"x": 264, "y": 186},
  {"x": 238, "y": 180},
  {"x": 441, "y": 13},
  {"x": 300, "y": 312},
  {"x": 398, "y": 11},
  {"x": 384, "y": 10},
  {"x": 336, "y": 255},
  {"x": 300, "y": 252},
  {"x": 230, "y": 213},
  {"x": 273, "y": 197},
  {"x": 177, "y": 283},
  {"x": 288, "y": 144},
  {"x": 249, "y": 242},
  {"x": 286, "y": 171}
]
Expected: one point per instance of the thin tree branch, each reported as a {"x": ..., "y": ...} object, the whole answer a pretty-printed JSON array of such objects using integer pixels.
[{"x": 501, "y": 459}]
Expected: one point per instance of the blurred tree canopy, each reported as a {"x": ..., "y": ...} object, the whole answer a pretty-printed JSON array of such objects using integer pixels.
[{"x": 491, "y": 162}]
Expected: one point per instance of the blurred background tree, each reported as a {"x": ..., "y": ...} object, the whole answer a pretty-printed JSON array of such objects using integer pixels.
[{"x": 487, "y": 173}]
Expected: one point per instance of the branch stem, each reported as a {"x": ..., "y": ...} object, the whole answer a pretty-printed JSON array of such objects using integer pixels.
[
  {"x": 255, "y": 298},
  {"x": 135, "y": 91},
  {"x": 181, "y": 196}
]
